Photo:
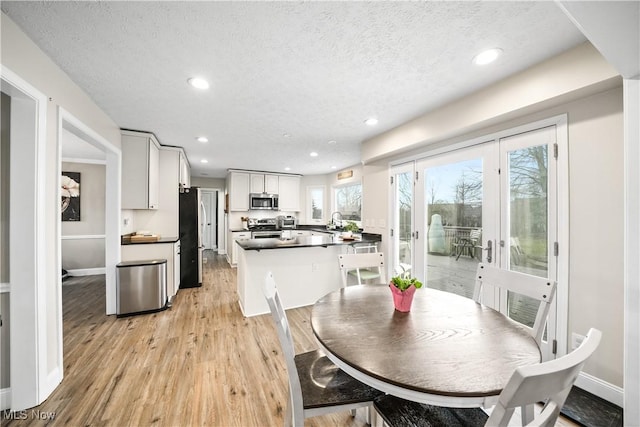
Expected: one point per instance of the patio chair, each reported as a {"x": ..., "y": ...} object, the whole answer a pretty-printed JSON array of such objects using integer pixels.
[
  {"x": 365, "y": 267},
  {"x": 468, "y": 244},
  {"x": 316, "y": 385},
  {"x": 549, "y": 382}
]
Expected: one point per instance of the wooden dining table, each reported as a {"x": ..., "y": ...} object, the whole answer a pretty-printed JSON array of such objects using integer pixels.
[{"x": 447, "y": 351}]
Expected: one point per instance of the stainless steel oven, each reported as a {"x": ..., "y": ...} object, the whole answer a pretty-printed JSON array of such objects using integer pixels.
[{"x": 266, "y": 234}]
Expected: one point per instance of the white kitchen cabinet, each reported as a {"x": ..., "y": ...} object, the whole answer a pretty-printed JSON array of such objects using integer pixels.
[
  {"x": 289, "y": 193},
  {"x": 185, "y": 172},
  {"x": 140, "y": 170},
  {"x": 176, "y": 269},
  {"x": 238, "y": 191},
  {"x": 264, "y": 183},
  {"x": 236, "y": 235}
]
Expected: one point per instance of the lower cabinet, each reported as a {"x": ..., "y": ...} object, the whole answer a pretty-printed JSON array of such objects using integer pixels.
[
  {"x": 232, "y": 251},
  {"x": 149, "y": 251}
]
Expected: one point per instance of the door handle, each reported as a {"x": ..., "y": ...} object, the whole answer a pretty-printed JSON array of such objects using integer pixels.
[{"x": 489, "y": 250}]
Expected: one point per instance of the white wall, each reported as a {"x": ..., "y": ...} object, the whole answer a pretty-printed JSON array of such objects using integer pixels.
[
  {"x": 22, "y": 57},
  {"x": 595, "y": 127},
  {"x": 81, "y": 253}
]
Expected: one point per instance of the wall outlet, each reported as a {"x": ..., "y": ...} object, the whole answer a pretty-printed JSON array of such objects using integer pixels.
[
  {"x": 576, "y": 340},
  {"x": 315, "y": 267}
]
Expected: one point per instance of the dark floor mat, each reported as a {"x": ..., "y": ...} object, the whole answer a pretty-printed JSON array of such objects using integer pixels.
[{"x": 590, "y": 410}]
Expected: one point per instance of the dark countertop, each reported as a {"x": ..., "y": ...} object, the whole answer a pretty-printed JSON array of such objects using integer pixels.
[
  {"x": 299, "y": 227},
  {"x": 304, "y": 242},
  {"x": 125, "y": 241}
]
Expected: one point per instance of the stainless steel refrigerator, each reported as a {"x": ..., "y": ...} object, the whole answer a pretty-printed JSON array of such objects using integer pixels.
[{"x": 191, "y": 218}]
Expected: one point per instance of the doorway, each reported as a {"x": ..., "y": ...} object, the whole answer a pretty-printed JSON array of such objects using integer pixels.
[
  {"x": 210, "y": 220},
  {"x": 493, "y": 200}
]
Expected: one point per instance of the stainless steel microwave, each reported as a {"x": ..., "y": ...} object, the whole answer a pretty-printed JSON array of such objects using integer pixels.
[{"x": 263, "y": 201}]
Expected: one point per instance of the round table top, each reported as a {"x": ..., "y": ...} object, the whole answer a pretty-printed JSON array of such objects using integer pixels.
[{"x": 447, "y": 345}]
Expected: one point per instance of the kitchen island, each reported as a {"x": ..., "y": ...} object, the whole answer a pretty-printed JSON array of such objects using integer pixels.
[{"x": 305, "y": 268}]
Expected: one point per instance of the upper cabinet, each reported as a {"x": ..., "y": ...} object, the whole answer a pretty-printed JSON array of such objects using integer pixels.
[
  {"x": 239, "y": 186},
  {"x": 289, "y": 193},
  {"x": 264, "y": 183},
  {"x": 242, "y": 183},
  {"x": 185, "y": 172},
  {"x": 140, "y": 170}
]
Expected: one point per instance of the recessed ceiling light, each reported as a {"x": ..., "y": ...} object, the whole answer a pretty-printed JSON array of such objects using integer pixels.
[
  {"x": 198, "y": 83},
  {"x": 313, "y": 154},
  {"x": 287, "y": 168},
  {"x": 202, "y": 139},
  {"x": 286, "y": 135},
  {"x": 487, "y": 56},
  {"x": 334, "y": 167},
  {"x": 372, "y": 121},
  {"x": 204, "y": 161},
  {"x": 333, "y": 141}
]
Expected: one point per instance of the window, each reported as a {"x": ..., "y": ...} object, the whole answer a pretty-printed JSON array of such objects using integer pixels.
[
  {"x": 348, "y": 201},
  {"x": 315, "y": 204}
]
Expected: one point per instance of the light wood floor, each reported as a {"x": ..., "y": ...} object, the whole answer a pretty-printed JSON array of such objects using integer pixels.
[{"x": 199, "y": 363}]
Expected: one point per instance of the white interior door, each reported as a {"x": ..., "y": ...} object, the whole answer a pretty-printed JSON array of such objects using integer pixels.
[{"x": 209, "y": 229}]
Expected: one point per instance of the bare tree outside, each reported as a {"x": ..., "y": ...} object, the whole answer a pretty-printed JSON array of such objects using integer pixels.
[{"x": 349, "y": 202}]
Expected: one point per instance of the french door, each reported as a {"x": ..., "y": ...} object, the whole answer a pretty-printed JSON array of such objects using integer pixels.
[{"x": 493, "y": 202}]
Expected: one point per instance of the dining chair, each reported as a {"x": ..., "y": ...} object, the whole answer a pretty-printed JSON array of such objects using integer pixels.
[
  {"x": 316, "y": 385},
  {"x": 549, "y": 382},
  {"x": 539, "y": 288},
  {"x": 364, "y": 267}
]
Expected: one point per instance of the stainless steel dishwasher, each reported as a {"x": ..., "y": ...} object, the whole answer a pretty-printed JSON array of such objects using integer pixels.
[{"x": 141, "y": 287}]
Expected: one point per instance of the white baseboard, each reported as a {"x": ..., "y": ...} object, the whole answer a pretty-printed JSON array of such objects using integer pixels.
[
  {"x": 602, "y": 389},
  {"x": 5, "y": 398},
  {"x": 5, "y": 287},
  {"x": 86, "y": 271},
  {"x": 53, "y": 380}
]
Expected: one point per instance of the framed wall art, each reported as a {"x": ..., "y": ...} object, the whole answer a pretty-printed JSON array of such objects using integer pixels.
[{"x": 70, "y": 193}]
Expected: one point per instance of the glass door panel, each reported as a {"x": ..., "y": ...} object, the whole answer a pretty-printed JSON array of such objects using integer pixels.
[
  {"x": 403, "y": 230},
  {"x": 452, "y": 211},
  {"x": 528, "y": 229}
]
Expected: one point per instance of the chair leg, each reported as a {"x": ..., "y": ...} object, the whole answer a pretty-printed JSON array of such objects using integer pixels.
[{"x": 527, "y": 414}]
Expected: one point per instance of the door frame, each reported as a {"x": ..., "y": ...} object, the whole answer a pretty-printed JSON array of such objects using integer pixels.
[
  {"x": 113, "y": 166},
  {"x": 562, "y": 276},
  {"x": 32, "y": 379},
  {"x": 220, "y": 217}
]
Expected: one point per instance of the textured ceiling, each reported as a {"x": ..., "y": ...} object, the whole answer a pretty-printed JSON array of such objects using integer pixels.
[{"x": 312, "y": 70}]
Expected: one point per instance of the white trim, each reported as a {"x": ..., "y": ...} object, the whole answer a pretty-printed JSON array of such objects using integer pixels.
[
  {"x": 53, "y": 379},
  {"x": 28, "y": 260},
  {"x": 562, "y": 234},
  {"x": 5, "y": 398},
  {"x": 602, "y": 389},
  {"x": 86, "y": 271},
  {"x": 112, "y": 199},
  {"x": 631, "y": 111},
  {"x": 84, "y": 161},
  {"x": 82, "y": 236},
  {"x": 5, "y": 288}
]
